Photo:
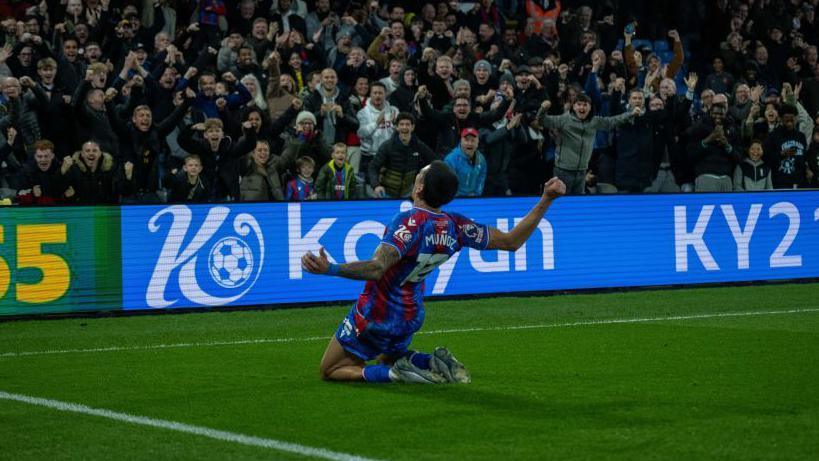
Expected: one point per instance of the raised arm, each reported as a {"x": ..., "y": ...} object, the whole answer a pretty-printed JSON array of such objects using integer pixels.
[
  {"x": 679, "y": 56},
  {"x": 631, "y": 64},
  {"x": 372, "y": 269},
  {"x": 273, "y": 74},
  {"x": 170, "y": 122},
  {"x": 550, "y": 121},
  {"x": 373, "y": 50},
  {"x": 512, "y": 240},
  {"x": 609, "y": 123}
]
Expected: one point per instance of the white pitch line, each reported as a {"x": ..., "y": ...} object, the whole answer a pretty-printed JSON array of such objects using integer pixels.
[
  {"x": 618, "y": 321},
  {"x": 186, "y": 428},
  {"x": 430, "y": 332},
  {"x": 164, "y": 346}
]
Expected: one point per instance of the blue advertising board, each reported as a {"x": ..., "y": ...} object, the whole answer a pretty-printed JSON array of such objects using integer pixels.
[{"x": 249, "y": 254}]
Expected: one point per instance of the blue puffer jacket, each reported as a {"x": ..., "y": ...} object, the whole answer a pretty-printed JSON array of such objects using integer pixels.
[{"x": 471, "y": 172}]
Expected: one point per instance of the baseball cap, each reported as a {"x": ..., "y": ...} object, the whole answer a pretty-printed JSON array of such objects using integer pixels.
[
  {"x": 469, "y": 132},
  {"x": 523, "y": 70}
]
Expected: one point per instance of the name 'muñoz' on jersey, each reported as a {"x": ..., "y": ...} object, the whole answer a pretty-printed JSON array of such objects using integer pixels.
[{"x": 424, "y": 241}]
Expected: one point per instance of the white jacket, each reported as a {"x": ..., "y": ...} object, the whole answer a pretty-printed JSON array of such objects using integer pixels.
[{"x": 371, "y": 134}]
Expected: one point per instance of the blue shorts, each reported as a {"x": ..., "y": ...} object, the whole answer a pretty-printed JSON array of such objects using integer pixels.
[{"x": 374, "y": 340}]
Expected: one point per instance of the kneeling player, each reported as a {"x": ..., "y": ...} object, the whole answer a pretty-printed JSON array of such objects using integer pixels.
[{"x": 391, "y": 308}]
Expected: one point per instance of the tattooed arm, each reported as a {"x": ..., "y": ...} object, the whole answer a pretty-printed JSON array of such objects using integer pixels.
[{"x": 372, "y": 269}]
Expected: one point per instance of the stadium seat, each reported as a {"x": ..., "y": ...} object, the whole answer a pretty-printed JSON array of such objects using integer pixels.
[
  {"x": 665, "y": 56},
  {"x": 679, "y": 79},
  {"x": 620, "y": 44},
  {"x": 642, "y": 43},
  {"x": 661, "y": 45}
]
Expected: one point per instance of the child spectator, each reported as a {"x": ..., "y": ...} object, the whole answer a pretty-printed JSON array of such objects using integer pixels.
[
  {"x": 220, "y": 154},
  {"x": 301, "y": 188},
  {"x": 336, "y": 179},
  {"x": 752, "y": 173},
  {"x": 187, "y": 184}
]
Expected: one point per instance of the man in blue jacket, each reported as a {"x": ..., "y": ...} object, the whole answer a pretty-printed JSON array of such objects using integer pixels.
[{"x": 468, "y": 164}]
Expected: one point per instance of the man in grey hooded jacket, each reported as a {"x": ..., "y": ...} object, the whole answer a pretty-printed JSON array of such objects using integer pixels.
[{"x": 577, "y": 129}]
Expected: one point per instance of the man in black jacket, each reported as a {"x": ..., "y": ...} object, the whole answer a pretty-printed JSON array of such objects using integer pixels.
[
  {"x": 70, "y": 66},
  {"x": 53, "y": 108},
  {"x": 449, "y": 124},
  {"x": 142, "y": 141},
  {"x": 392, "y": 171},
  {"x": 42, "y": 183},
  {"x": 634, "y": 144},
  {"x": 712, "y": 152},
  {"x": 94, "y": 177},
  {"x": 785, "y": 151},
  {"x": 91, "y": 108}
]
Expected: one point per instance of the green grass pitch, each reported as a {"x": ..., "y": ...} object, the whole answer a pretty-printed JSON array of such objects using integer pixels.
[{"x": 713, "y": 373}]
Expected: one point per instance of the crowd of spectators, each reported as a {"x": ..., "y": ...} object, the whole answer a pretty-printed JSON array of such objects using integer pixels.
[{"x": 147, "y": 101}]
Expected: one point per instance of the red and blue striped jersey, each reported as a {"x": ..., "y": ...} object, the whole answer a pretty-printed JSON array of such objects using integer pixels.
[{"x": 424, "y": 240}]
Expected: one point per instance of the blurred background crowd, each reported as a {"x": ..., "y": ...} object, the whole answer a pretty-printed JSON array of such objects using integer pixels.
[{"x": 149, "y": 101}]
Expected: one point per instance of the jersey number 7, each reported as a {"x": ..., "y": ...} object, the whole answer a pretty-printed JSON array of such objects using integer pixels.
[{"x": 427, "y": 262}]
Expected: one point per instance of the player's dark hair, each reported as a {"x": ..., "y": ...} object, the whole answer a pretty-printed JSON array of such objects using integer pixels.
[{"x": 440, "y": 184}]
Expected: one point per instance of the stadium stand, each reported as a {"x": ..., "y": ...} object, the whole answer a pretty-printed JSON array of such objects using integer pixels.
[{"x": 150, "y": 101}]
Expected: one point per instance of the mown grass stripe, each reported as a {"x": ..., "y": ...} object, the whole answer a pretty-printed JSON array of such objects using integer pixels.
[
  {"x": 430, "y": 332},
  {"x": 215, "y": 434}
]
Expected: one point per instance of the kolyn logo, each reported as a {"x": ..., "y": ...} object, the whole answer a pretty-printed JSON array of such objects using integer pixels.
[{"x": 231, "y": 263}]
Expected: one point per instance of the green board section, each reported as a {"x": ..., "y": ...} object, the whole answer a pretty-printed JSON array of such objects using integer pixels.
[{"x": 61, "y": 259}]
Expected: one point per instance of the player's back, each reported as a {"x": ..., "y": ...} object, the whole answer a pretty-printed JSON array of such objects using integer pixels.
[{"x": 424, "y": 240}]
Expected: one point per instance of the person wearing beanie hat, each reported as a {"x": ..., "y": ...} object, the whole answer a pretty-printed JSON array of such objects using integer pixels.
[
  {"x": 483, "y": 84},
  {"x": 305, "y": 141},
  {"x": 305, "y": 115},
  {"x": 482, "y": 80},
  {"x": 461, "y": 88},
  {"x": 483, "y": 64}
]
